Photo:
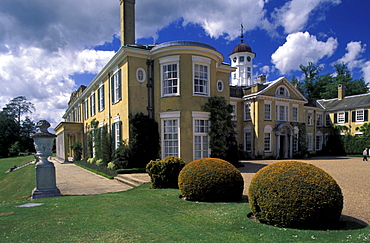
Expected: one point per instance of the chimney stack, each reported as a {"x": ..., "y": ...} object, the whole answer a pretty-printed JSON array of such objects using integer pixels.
[
  {"x": 127, "y": 19},
  {"x": 341, "y": 91},
  {"x": 261, "y": 78}
]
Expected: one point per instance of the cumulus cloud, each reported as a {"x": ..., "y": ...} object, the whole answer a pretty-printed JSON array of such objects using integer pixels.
[
  {"x": 301, "y": 48},
  {"x": 294, "y": 15},
  {"x": 366, "y": 72},
  {"x": 218, "y": 18}
]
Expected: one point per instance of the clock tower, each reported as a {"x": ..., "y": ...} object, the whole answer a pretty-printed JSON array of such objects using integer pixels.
[{"x": 242, "y": 58}]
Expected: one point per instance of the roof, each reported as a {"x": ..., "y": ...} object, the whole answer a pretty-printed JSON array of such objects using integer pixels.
[
  {"x": 183, "y": 43},
  {"x": 348, "y": 102},
  {"x": 242, "y": 47}
]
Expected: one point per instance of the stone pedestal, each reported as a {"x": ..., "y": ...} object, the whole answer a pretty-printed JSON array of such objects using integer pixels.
[{"x": 45, "y": 170}]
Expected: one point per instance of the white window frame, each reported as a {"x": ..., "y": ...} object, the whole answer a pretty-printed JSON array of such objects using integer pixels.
[
  {"x": 248, "y": 138},
  {"x": 92, "y": 105},
  {"x": 201, "y": 78},
  {"x": 319, "y": 119},
  {"x": 295, "y": 113},
  {"x": 282, "y": 111},
  {"x": 341, "y": 117},
  {"x": 173, "y": 143},
  {"x": 247, "y": 111},
  {"x": 282, "y": 91},
  {"x": 234, "y": 114},
  {"x": 267, "y": 138},
  {"x": 310, "y": 118},
  {"x": 360, "y": 115},
  {"x": 101, "y": 104},
  {"x": 309, "y": 141},
  {"x": 201, "y": 126},
  {"x": 174, "y": 80},
  {"x": 296, "y": 139},
  {"x": 319, "y": 141},
  {"x": 267, "y": 111},
  {"x": 86, "y": 108},
  {"x": 220, "y": 86},
  {"x": 116, "y": 84},
  {"x": 140, "y": 75}
]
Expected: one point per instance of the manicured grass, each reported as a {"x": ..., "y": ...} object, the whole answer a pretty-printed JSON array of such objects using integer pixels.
[
  {"x": 18, "y": 184},
  {"x": 144, "y": 215}
]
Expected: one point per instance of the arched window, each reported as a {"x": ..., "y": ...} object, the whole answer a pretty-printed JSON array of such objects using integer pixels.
[{"x": 282, "y": 91}]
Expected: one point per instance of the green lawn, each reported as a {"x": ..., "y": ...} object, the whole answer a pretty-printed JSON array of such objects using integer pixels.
[{"x": 141, "y": 215}]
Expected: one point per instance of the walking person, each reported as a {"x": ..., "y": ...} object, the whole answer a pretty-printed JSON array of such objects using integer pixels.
[{"x": 365, "y": 154}]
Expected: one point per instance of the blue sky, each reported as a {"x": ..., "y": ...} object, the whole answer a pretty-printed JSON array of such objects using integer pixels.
[{"x": 48, "y": 49}]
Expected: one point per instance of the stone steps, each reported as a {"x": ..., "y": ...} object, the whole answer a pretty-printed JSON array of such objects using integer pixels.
[{"x": 133, "y": 180}]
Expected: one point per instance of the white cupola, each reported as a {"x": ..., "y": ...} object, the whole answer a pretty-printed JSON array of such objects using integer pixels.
[{"x": 242, "y": 58}]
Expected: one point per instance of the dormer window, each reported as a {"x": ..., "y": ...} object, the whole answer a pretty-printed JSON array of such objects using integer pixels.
[{"x": 282, "y": 91}]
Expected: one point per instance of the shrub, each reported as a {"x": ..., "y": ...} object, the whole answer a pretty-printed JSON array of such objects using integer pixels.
[
  {"x": 211, "y": 180},
  {"x": 164, "y": 173},
  {"x": 91, "y": 160},
  {"x": 111, "y": 165},
  {"x": 99, "y": 162},
  {"x": 77, "y": 151},
  {"x": 294, "y": 194}
]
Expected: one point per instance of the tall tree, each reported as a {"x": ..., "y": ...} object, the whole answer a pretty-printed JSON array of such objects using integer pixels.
[
  {"x": 310, "y": 73},
  {"x": 8, "y": 133},
  {"x": 19, "y": 106},
  {"x": 222, "y": 134}
]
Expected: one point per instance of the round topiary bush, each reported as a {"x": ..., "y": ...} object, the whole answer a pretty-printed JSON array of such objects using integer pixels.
[
  {"x": 211, "y": 180},
  {"x": 164, "y": 173},
  {"x": 294, "y": 194}
]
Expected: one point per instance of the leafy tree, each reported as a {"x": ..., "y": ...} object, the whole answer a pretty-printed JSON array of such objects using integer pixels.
[
  {"x": 144, "y": 141},
  {"x": 8, "y": 133},
  {"x": 19, "y": 106},
  {"x": 222, "y": 134},
  {"x": 310, "y": 73},
  {"x": 326, "y": 86}
]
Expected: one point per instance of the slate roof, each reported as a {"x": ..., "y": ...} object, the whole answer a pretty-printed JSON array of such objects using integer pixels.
[{"x": 348, "y": 102}]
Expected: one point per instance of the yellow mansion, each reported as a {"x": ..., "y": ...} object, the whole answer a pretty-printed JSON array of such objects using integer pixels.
[{"x": 171, "y": 81}]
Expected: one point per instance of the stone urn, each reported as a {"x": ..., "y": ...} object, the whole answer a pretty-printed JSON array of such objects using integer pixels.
[{"x": 45, "y": 170}]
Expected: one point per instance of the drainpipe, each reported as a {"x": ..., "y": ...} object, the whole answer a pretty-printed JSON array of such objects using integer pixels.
[
  {"x": 109, "y": 103},
  {"x": 150, "y": 88}
]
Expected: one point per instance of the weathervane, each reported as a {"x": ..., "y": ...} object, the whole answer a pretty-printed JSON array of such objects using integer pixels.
[{"x": 242, "y": 33}]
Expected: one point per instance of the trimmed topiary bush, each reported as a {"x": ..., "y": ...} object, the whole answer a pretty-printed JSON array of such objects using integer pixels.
[
  {"x": 164, "y": 173},
  {"x": 294, "y": 194},
  {"x": 211, "y": 180}
]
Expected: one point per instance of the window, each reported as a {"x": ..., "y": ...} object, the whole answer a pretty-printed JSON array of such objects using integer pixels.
[
  {"x": 92, "y": 105},
  {"x": 140, "y": 75},
  {"x": 360, "y": 115},
  {"x": 295, "y": 139},
  {"x": 282, "y": 112},
  {"x": 201, "y": 140},
  {"x": 86, "y": 109},
  {"x": 267, "y": 142},
  {"x": 220, "y": 86},
  {"x": 170, "y": 84},
  {"x": 234, "y": 114},
  {"x": 341, "y": 117},
  {"x": 267, "y": 111},
  {"x": 101, "y": 98},
  {"x": 309, "y": 141},
  {"x": 116, "y": 87},
  {"x": 319, "y": 140},
  {"x": 247, "y": 111},
  {"x": 241, "y": 59},
  {"x": 247, "y": 139},
  {"x": 116, "y": 133},
  {"x": 267, "y": 138},
  {"x": 79, "y": 113},
  {"x": 201, "y": 82},
  {"x": 170, "y": 137},
  {"x": 327, "y": 119},
  {"x": 295, "y": 114},
  {"x": 319, "y": 120},
  {"x": 282, "y": 91},
  {"x": 310, "y": 118}
]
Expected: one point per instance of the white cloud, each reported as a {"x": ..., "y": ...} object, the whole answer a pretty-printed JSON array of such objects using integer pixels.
[
  {"x": 301, "y": 48},
  {"x": 351, "y": 58},
  {"x": 366, "y": 72},
  {"x": 218, "y": 18},
  {"x": 294, "y": 15},
  {"x": 43, "y": 77}
]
